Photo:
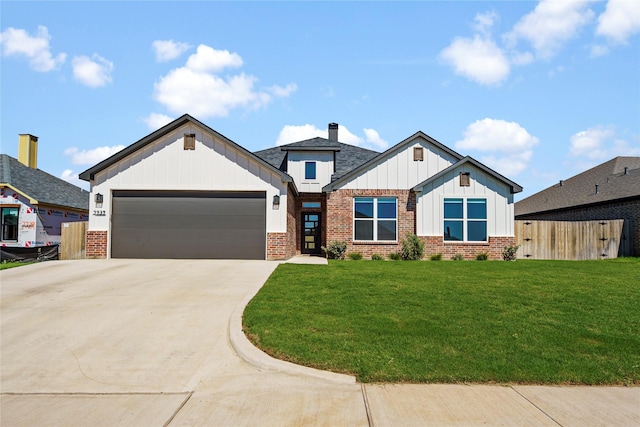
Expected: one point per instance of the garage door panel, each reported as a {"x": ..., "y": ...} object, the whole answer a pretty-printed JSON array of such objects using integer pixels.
[
  {"x": 150, "y": 224},
  {"x": 164, "y": 222}
]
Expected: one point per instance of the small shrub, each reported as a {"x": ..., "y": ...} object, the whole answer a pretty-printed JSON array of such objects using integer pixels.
[
  {"x": 436, "y": 257},
  {"x": 394, "y": 256},
  {"x": 376, "y": 257},
  {"x": 335, "y": 250},
  {"x": 509, "y": 252},
  {"x": 355, "y": 256},
  {"x": 458, "y": 257},
  {"x": 412, "y": 248},
  {"x": 482, "y": 256}
]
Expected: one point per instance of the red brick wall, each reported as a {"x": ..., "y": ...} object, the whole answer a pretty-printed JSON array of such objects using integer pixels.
[
  {"x": 96, "y": 244},
  {"x": 340, "y": 219},
  {"x": 340, "y": 228},
  {"x": 437, "y": 245},
  {"x": 277, "y": 245}
]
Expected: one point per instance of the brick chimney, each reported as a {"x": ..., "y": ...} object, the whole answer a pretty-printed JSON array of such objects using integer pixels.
[
  {"x": 333, "y": 132},
  {"x": 28, "y": 150}
]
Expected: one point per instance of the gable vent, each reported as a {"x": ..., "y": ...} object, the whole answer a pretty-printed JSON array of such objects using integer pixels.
[{"x": 189, "y": 141}]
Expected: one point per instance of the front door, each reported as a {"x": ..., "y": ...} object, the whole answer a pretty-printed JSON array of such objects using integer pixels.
[{"x": 311, "y": 232}]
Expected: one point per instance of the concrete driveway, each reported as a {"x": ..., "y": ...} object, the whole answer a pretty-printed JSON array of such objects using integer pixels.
[
  {"x": 141, "y": 343},
  {"x": 152, "y": 343}
]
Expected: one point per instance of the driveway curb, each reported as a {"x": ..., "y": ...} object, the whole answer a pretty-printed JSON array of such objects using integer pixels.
[{"x": 261, "y": 360}]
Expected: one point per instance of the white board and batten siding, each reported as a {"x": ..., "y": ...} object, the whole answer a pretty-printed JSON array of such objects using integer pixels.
[
  {"x": 430, "y": 201},
  {"x": 214, "y": 165},
  {"x": 324, "y": 169},
  {"x": 400, "y": 171}
]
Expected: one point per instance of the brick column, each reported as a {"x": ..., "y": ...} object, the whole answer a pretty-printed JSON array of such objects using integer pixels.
[{"x": 96, "y": 244}]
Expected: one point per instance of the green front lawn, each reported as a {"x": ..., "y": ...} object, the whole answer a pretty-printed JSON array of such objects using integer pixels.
[
  {"x": 551, "y": 322},
  {"x": 11, "y": 264}
]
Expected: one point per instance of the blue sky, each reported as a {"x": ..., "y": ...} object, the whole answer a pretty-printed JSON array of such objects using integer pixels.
[{"x": 539, "y": 91}]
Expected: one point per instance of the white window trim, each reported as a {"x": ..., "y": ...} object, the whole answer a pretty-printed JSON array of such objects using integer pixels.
[
  {"x": 464, "y": 219},
  {"x": 374, "y": 219}
]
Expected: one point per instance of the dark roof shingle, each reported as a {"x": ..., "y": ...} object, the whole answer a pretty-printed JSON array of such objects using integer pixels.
[
  {"x": 41, "y": 186},
  {"x": 580, "y": 190}
]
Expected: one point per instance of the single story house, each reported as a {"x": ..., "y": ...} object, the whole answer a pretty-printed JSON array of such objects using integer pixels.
[
  {"x": 33, "y": 203},
  {"x": 608, "y": 191},
  {"x": 186, "y": 191}
]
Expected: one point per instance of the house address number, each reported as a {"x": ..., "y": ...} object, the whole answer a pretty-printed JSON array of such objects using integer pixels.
[{"x": 100, "y": 213}]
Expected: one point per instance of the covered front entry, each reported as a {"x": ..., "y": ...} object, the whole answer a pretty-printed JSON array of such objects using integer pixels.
[
  {"x": 311, "y": 233},
  {"x": 188, "y": 225}
]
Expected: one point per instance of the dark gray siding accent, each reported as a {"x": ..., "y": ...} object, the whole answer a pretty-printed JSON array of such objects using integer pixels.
[{"x": 188, "y": 225}]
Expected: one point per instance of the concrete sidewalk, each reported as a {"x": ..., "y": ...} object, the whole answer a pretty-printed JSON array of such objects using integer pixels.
[{"x": 152, "y": 343}]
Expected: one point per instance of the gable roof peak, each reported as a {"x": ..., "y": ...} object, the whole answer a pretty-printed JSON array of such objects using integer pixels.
[{"x": 89, "y": 174}]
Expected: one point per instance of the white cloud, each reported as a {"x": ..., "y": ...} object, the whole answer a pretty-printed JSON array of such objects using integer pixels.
[
  {"x": 551, "y": 25},
  {"x": 599, "y": 143},
  {"x": 293, "y": 133},
  {"x": 166, "y": 50},
  {"x": 521, "y": 58},
  {"x": 92, "y": 72},
  {"x": 156, "y": 120},
  {"x": 208, "y": 59},
  {"x": 511, "y": 143},
  {"x": 478, "y": 59},
  {"x": 484, "y": 22},
  {"x": 283, "y": 92},
  {"x": 93, "y": 156},
  {"x": 620, "y": 20},
  {"x": 36, "y": 48},
  {"x": 374, "y": 139},
  {"x": 72, "y": 178},
  {"x": 196, "y": 89}
]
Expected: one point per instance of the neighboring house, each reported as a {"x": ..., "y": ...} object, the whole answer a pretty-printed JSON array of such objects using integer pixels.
[
  {"x": 186, "y": 191},
  {"x": 34, "y": 204},
  {"x": 608, "y": 191}
]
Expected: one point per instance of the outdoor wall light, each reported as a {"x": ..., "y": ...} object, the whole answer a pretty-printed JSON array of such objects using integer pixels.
[
  {"x": 99, "y": 198},
  {"x": 276, "y": 200}
]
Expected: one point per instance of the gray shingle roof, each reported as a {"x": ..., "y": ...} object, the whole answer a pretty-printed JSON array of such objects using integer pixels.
[
  {"x": 41, "y": 186},
  {"x": 348, "y": 157},
  {"x": 580, "y": 190}
]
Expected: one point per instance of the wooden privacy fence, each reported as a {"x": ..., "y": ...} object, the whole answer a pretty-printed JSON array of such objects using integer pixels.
[
  {"x": 73, "y": 240},
  {"x": 571, "y": 240}
]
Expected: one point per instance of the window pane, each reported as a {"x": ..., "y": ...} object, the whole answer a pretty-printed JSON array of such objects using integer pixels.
[
  {"x": 387, "y": 208},
  {"x": 386, "y": 230},
  {"x": 364, "y": 207},
  {"x": 310, "y": 204},
  {"x": 364, "y": 230},
  {"x": 453, "y": 231},
  {"x": 10, "y": 223},
  {"x": 477, "y": 231},
  {"x": 310, "y": 170},
  {"x": 477, "y": 209},
  {"x": 453, "y": 208}
]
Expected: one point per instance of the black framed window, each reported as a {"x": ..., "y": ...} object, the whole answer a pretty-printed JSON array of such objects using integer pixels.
[
  {"x": 309, "y": 170},
  {"x": 10, "y": 224},
  {"x": 375, "y": 218}
]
